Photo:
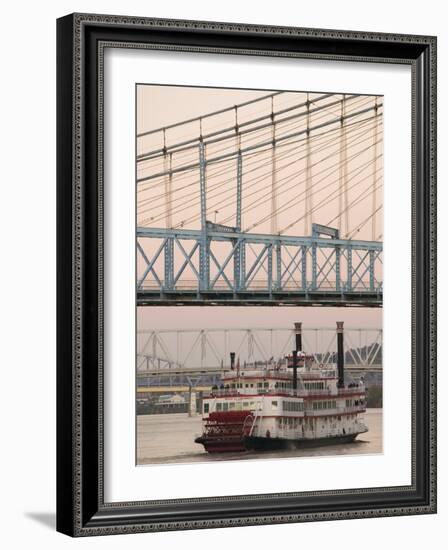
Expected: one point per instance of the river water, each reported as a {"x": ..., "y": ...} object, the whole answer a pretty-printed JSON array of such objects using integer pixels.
[{"x": 169, "y": 438}]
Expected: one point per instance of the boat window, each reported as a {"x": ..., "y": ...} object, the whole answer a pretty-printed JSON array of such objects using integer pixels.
[
  {"x": 245, "y": 405},
  {"x": 206, "y": 408},
  {"x": 219, "y": 406},
  {"x": 231, "y": 406},
  {"x": 294, "y": 406},
  {"x": 238, "y": 406},
  {"x": 225, "y": 406},
  {"x": 274, "y": 404}
]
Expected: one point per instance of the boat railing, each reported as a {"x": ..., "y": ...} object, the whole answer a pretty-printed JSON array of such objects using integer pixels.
[
  {"x": 321, "y": 412},
  {"x": 231, "y": 392},
  {"x": 309, "y": 393},
  {"x": 300, "y": 392},
  {"x": 354, "y": 389},
  {"x": 311, "y": 374},
  {"x": 345, "y": 410},
  {"x": 222, "y": 393},
  {"x": 243, "y": 392}
]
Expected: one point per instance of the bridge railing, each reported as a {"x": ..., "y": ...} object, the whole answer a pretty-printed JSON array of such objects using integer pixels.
[{"x": 221, "y": 286}]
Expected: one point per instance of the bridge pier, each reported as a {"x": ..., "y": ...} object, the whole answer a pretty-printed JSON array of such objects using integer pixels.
[{"x": 192, "y": 409}]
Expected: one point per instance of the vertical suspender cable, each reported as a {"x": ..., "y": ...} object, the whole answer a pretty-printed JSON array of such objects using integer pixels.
[
  {"x": 375, "y": 166},
  {"x": 168, "y": 160},
  {"x": 238, "y": 260},
  {"x": 167, "y": 167},
  {"x": 204, "y": 262},
  {"x": 308, "y": 182},
  {"x": 274, "y": 228},
  {"x": 343, "y": 192},
  {"x": 239, "y": 174}
]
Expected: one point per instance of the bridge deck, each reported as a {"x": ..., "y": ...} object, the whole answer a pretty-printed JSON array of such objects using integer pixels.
[{"x": 257, "y": 297}]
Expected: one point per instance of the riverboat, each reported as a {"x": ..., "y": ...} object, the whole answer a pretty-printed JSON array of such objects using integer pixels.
[{"x": 287, "y": 403}]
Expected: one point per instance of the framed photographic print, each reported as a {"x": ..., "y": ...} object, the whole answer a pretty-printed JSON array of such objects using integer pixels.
[{"x": 246, "y": 274}]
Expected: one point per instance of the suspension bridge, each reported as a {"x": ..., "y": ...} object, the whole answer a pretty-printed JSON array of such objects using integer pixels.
[{"x": 273, "y": 200}]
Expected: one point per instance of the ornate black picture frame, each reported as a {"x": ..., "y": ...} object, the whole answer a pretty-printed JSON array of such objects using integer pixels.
[{"x": 81, "y": 508}]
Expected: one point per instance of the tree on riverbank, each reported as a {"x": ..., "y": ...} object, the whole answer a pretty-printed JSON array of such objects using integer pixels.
[{"x": 375, "y": 397}]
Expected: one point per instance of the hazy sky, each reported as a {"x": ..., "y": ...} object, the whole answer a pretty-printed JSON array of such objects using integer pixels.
[
  {"x": 164, "y": 317},
  {"x": 160, "y": 106}
]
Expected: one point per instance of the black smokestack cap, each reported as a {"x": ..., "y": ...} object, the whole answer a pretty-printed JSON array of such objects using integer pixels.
[
  {"x": 340, "y": 332},
  {"x": 298, "y": 331},
  {"x": 232, "y": 360}
]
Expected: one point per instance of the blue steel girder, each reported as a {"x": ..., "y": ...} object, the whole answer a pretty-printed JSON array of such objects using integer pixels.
[
  {"x": 188, "y": 259},
  {"x": 257, "y": 264},
  {"x": 294, "y": 267},
  {"x": 241, "y": 263}
]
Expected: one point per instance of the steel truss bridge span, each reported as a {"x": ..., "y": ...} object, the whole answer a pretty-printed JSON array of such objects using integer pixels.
[
  {"x": 249, "y": 268},
  {"x": 200, "y": 357}
]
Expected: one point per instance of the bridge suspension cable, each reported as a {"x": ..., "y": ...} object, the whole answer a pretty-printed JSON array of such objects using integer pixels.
[
  {"x": 280, "y": 132},
  {"x": 220, "y": 188},
  {"x": 291, "y": 152},
  {"x": 192, "y": 142},
  {"x": 207, "y": 115},
  {"x": 263, "y": 144}
]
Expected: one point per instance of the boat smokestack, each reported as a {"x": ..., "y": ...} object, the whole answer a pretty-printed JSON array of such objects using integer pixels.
[
  {"x": 340, "y": 333},
  {"x": 294, "y": 369},
  {"x": 298, "y": 330},
  {"x": 232, "y": 360}
]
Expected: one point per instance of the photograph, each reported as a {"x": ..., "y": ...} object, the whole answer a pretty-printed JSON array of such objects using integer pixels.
[
  {"x": 259, "y": 274},
  {"x": 246, "y": 274}
]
